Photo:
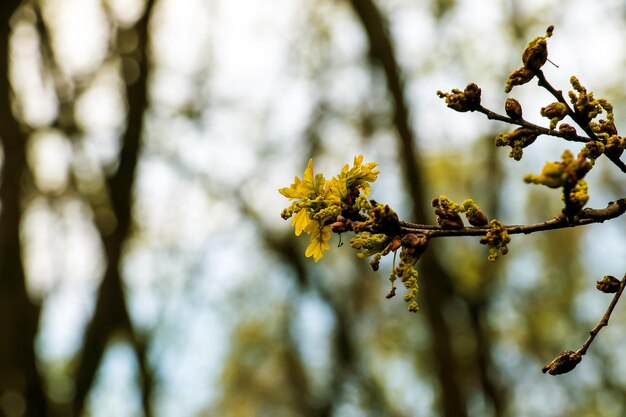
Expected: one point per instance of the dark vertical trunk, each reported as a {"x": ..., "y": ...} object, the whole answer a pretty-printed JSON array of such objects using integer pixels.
[
  {"x": 111, "y": 311},
  {"x": 19, "y": 316},
  {"x": 437, "y": 290}
]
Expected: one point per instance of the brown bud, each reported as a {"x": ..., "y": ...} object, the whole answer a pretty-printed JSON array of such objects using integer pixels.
[
  {"x": 341, "y": 219},
  {"x": 338, "y": 227},
  {"x": 518, "y": 77},
  {"x": 593, "y": 149},
  {"x": 462, "y": 101},
  {"x": 413, "y": 240},
  {"x": 513, "y": 109},
  {"x": 454, "y": 100},
  {"x": 472, "y": 96},
  {"x": 554, "y": 110},
  {"x": 476, "y": 218},
  {"x": 450, "y": 221},
  {"x": 446, "y": 217},
  {"x": 535, "y": 54},
  {"x": 615, "y": 145},
  {"x": 563, "y": 363},
  {"x": 414, "y": 245},
  {"x": 608, "y": 284},
  {"x": 522, "y": 137},
  {"x": 568, "y": 130}
]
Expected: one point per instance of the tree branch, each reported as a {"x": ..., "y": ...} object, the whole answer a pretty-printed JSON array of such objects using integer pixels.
[
  {"x": 491, "y": 115},
  {"x": 567, "y": 360},
  {"x": 585, "y": 217},
  {"x": 605, "y": 319}
]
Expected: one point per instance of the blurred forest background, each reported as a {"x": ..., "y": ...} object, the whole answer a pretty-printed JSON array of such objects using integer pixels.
[{"x": 144, "y": 267}]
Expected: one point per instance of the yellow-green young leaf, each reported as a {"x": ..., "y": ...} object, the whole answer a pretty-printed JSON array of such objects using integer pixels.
[
  {"x": 308, "y": 186},
  {"x": 323, "y": 200},
  {"x": 338, "y": 188},
  {"x": 300, "y": 221},
  {"x": 359, "y": 176},
  {"x": 293, "y": 191},
  {"x": 319, "y": 240},
  {"x": 320, "y": 185}
]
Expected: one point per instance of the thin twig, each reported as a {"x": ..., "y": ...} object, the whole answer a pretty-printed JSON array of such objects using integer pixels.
[
  {"x": 605, "y": 319},
  {"x": 558, "y": 94},
  {"x": 491, "y": 115},
  {"x": 586, "y": 216}
]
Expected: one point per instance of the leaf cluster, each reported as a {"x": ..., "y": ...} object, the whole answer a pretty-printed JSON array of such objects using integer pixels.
[{"x": 319, "y": 202}]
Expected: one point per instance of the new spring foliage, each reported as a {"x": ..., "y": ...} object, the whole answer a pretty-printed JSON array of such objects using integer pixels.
[{"x": 317, "y": 202}]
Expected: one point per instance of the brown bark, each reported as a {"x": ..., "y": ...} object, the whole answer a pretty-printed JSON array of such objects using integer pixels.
[
  {"x": 111, "y": 313},
  {"x": 19, "y": 316}
]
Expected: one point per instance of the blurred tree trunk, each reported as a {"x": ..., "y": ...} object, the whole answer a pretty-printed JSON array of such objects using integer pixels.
[
  {"x": 20, "y": 382},
  {"x": 438, "y": 292},
  {"x": 111, "y": 313}
]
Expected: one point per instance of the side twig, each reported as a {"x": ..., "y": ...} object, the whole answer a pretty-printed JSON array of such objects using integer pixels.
[
  {"x": 586, "y": 216},
  {"x": 491, "y": 115},
  {"x": 567, "y": 360},
  {"x": 605, "y": 319}
]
